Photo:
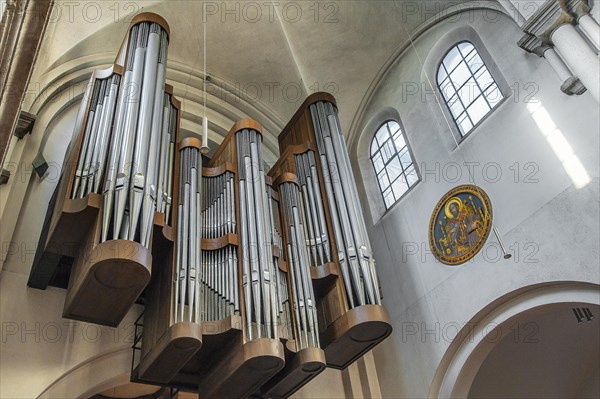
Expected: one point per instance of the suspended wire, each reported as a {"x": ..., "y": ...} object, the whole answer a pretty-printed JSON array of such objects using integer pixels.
[{"x": 204, "y": 22}]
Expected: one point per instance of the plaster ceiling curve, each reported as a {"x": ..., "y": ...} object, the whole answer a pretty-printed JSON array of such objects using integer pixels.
[{"x": 267, "y": 55}]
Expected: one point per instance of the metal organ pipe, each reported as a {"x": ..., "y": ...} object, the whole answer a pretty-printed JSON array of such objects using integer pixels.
[
  {"x": 306, "y": 331},
  {"x": 152, "y": 157},
  {"x": 139, "y": 167},
  {"x": 100, "y": 156},
  {"x": 219, "y": 275},
  {"x": 136, "y": 63},
  {"x": 357, "y": 263},
  {"x": 86, "y": 140},
  {"x": 119, "y": 131},
  {"x": 258, "y": 264},
  {"x": 269, "y": 271},
  {"x": 188, "y": 259},
  {"x": 130, "y": 140}
]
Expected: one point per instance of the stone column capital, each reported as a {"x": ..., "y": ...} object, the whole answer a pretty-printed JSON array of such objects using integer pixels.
[
  {"x": 576, "y": 8},
  {"x": 533, "y": 44},
  {"x": 573, "y": 86},
  {"x": 549, "y": 17}
]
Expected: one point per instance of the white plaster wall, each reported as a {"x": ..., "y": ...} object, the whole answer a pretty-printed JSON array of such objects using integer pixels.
[
  {"x": 37, "y": 345},
  {"x": 45, "y": 354},
  {"x": 550, "y": 226},
  {"x": 550, "y": 222}
]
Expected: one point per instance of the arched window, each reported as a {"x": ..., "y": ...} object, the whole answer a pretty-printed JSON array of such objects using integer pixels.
[
  {"x": 467, "y": 86},
  {"x": 393, "y": 162}
]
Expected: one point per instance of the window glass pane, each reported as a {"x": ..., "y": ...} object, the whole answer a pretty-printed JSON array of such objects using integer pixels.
[
  {"x": 455, "y": 106},
  {"x": 478, "y": 110},
  {"x": 411, "y": 176},
  {"x": 393, "y": 126},
  {"x": 374, "y": 146},
  {"x": 474, "y": 61},
  {"x": 466, "y": 48},
  {"x": 464, "y": 123},
  {"x": 484, "y": 78},
  {"x": 394, "y": 169},
  {"x": 388, "y": 197},
  {"x": 452, "y": 59},
  {"x": 405, "y": 158},
  {"x": 383, "y": 180},
  {"x": 399, "y": 140},
  {"x": 382, "y": 135},
  {"x": 378, "y": 162},
  {"x": 460, "y": 75},
  {"x": 493, "y": 94},
  {"x": 399, "y": 186},
  {"x": 447, "y": 89},
  {"x": 391, "y": 159},
  {"x": 387, "y": 151},
  {"x": 442, "y": 74},
  {"x": 469, "y": 92},
  {"x": 470, "y": 76}
]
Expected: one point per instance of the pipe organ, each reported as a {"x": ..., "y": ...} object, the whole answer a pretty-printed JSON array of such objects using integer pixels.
[{"x": 254, "y": 280}]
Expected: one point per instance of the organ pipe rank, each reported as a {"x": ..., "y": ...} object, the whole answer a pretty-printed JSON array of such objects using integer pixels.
[{"x": 253, "y": 281}]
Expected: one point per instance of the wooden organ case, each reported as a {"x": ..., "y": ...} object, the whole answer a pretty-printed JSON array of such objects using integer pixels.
[
  {"x": 271, "y": 277},
  {"x": 116, "y": 185},
  {"x": 255, "y": 280}
]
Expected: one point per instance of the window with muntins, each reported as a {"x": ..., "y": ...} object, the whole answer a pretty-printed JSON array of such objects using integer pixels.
[
  {"x": 393, "y": 162},
  {"x": 467, "y": 86}
]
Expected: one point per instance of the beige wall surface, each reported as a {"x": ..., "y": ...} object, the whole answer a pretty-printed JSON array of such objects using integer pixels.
[{"x": 536, "y": 156}]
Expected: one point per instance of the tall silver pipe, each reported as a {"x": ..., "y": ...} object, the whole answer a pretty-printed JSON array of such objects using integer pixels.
[
  {"x": 170, "y": 160},
  {"x": 314, "y": 180},
  {"x": 132, "y": 95},
  {"x": 256, "y": 277},
  {"x": 86, "y": 138},
  {"x": 91, "y": 140},
  {"x": 197, "y": 244},
  {"x": 95, "y": 143},
  {"x": 246, "y": 268},
  {"x": 119, "y": 131},
  {"x": 358, "y": 224},
  {"x": 106, "y": 136},
  {"x": 141, "y": 148},
  {"x": 332, "y": 149},
  {"x": 328, "y": 177},
  {"x": 164, "y": 155},
  {"x": 153, "y": 154}
]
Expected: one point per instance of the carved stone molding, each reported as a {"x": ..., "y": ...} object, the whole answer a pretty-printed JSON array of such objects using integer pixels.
[
  {"x": 576, "y": 8},
  {"x": 573, "y": 86},
  {"x": 23, "y": 25},
  {"x": 533, "y": 44},
  {"x": 553, "y": 14},
  {"x": 549, "y": 17}
]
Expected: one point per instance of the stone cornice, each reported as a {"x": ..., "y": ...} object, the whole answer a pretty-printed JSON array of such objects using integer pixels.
[
  {"x": 552, "y": 15},
  {"x": 533, "y": 44},
  {"x": 549, "y": 17},
  {"x": 576, "y": 8}
]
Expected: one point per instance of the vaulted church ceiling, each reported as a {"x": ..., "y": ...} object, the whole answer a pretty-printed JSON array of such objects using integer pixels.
[{"x": 263, "y": 58}]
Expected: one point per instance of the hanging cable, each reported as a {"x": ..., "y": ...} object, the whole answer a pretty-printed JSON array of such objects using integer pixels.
[{"x": 204, "y": 149}]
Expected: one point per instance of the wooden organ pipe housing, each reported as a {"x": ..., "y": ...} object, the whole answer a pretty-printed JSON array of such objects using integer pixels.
[
  {"x": 256, "y": 282},
  {"x": 212, "y": 320},
  {"x": 314, "y": 169},
  {"x": 114, "y": 196},
  {"x": 271, "y": 277}
]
